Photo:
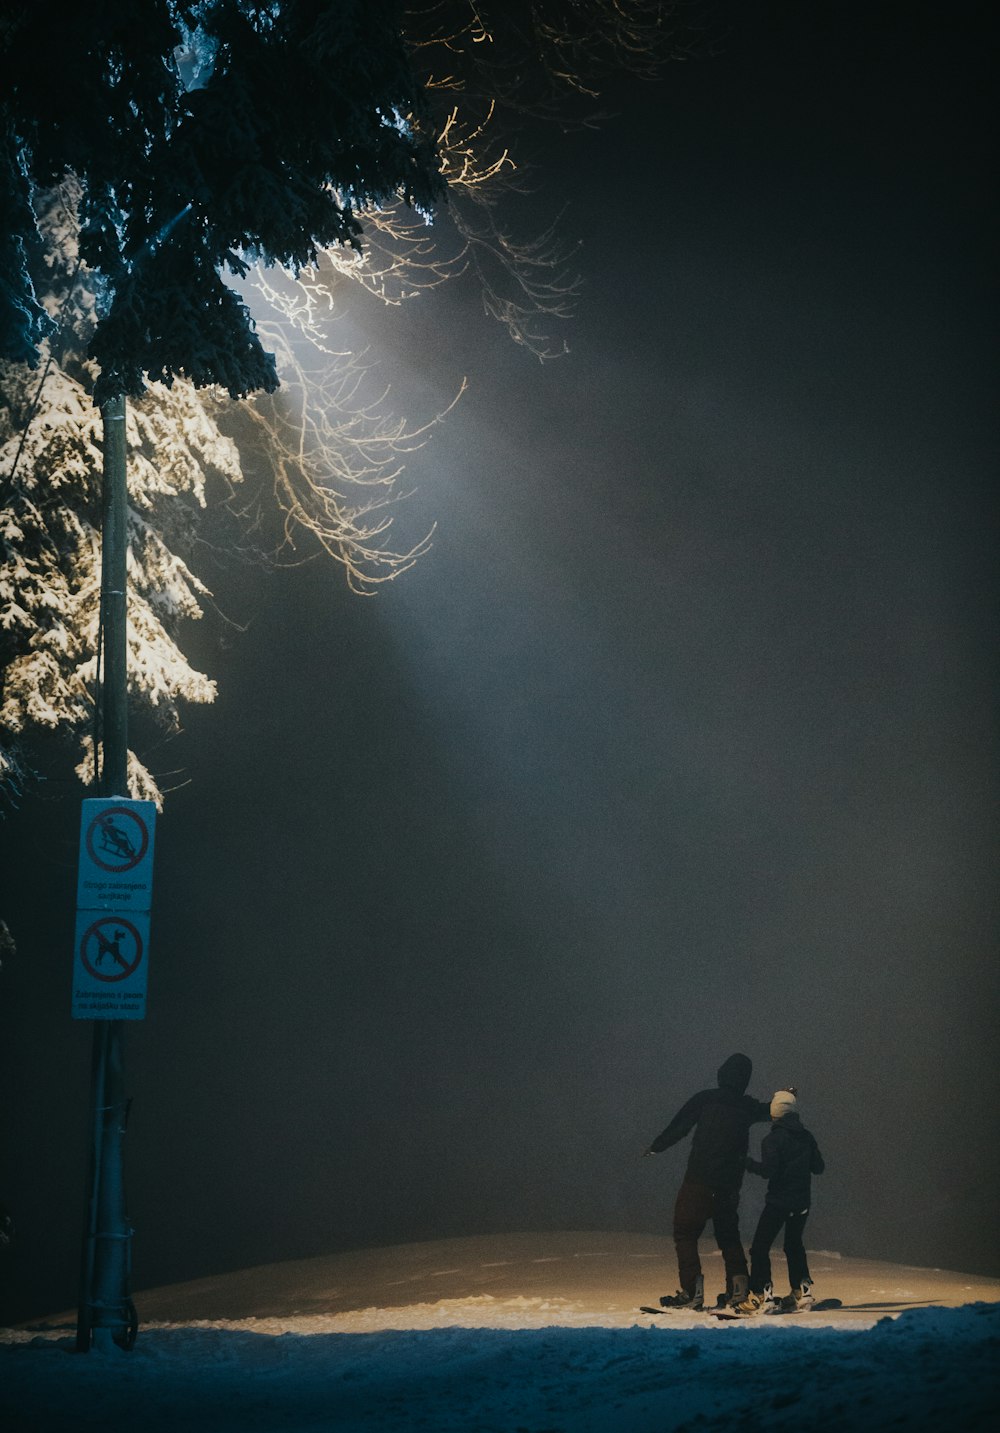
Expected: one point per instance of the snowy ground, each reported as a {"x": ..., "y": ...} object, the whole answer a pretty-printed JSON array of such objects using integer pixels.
[{"x": 524, "y": 1332}]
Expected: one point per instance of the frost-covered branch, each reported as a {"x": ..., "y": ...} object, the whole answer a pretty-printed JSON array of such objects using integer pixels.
[
  {"x": 485, "y": 69},
  {"x": 335, "y": 458}
]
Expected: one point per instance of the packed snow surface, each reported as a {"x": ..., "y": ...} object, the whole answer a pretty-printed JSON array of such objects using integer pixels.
[{"x": 532, "y": 1333}]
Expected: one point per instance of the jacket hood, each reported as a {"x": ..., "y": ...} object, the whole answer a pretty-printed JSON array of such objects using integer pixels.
[
  {"x": 791, "y": 1123},
  {"x": 734, "y": 1073}
]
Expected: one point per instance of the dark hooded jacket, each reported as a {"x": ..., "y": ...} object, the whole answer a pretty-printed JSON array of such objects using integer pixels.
[
  {"x": 789, "y": 1155},
  {"x": 721, "y": 1121}
]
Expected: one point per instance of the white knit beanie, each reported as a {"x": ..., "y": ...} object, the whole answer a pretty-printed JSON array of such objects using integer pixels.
[{"x": 782, "y": 1103}]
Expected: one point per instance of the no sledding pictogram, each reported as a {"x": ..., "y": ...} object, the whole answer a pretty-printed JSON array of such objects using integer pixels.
[{"x": 117, "y": 839}]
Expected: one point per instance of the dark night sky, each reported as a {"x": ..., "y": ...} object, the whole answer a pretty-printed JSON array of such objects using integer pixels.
[{"x": 681, "y": 739}]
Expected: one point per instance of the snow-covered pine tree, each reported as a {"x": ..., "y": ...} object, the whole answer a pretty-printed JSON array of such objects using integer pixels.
[
  {"x": 50, "y": 550},
  {"x": 189, "y": 152}
]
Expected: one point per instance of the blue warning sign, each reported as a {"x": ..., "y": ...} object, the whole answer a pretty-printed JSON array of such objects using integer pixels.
[
  {"x": 115, "y": 870},
  {"x": 114, "y": 891},
  {"x": 109, "y": 966}
]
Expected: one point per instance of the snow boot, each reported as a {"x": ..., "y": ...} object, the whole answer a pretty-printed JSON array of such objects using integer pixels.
[
  {"x": 690, "y": 1299},
  {"x": 800, "y": 1300},
  {"x": 737, "y": 1289},
  {"x": 754, "y": 1304}
]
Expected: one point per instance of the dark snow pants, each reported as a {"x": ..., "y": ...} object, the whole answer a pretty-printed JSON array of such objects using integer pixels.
[
  {"x": 695, "y": 1206},
  {"x": 768, "y": 1226}
]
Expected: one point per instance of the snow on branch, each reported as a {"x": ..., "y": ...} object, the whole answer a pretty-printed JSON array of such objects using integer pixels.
[{"x": 336, "y": 459}]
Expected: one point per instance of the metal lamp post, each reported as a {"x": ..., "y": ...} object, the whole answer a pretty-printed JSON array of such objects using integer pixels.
[{"x": 106, "y": 1314}]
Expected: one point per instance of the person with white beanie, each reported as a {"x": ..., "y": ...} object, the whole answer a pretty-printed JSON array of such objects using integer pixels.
[{"x": 789, "y": 1157}]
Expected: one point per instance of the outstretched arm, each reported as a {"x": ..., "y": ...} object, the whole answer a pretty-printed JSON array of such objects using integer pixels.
[{"x": 682, "y": 1123}]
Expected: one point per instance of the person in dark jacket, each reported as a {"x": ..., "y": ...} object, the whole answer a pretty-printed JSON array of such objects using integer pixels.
[
  {"x": 789, "y": 1157},
  {"x": 721, "y": 1120}
]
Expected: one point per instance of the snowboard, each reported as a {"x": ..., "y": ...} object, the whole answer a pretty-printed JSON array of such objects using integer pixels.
[{"x": 823, "y": 1306}]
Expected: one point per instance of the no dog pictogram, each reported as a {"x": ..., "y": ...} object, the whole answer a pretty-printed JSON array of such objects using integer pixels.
[{"x": 111, "y": 949}]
